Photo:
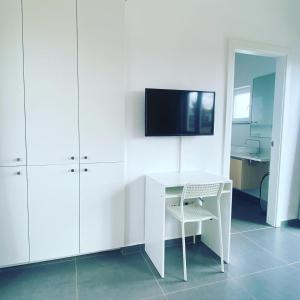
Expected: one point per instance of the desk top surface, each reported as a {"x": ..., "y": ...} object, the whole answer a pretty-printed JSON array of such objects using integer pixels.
[{"x": 173, "y": 179}]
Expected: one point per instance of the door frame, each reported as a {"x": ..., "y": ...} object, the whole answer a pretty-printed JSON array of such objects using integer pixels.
[{"x": 281, "y": 82}]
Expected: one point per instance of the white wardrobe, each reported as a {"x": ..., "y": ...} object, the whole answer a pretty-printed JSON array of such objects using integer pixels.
[
  {"x": 61, "y": 128},
  {"x": 13, "y": 182}
]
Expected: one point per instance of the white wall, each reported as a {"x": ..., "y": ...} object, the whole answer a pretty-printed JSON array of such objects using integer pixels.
[
  {"x": 290, "y": 163},
  {"x": 248, "y": 67},
  {"x": 183, "y": 44}
]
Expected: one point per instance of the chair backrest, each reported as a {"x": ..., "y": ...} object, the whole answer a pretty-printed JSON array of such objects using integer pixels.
[{"x": 193, "y": 191}]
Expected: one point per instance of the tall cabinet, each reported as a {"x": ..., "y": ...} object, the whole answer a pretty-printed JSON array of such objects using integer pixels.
[
  {"x": 13, "y": 216},
  {"x": 101, "y": 119},
  {"x": 61, "y": 128},
  {"x": 51, "y": 101},
  {"x": 53, "y": 200},
  {"x": 101, "y": 80},
  {"x": 12, "y": 119},
  {"x": 14, "y": 246},
  {"x": 50, "y": 59},
  {"x": 101, "y": 207}
]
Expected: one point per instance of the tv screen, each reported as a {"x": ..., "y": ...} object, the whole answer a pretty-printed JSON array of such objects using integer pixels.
[{"x": 179, "y": 112}]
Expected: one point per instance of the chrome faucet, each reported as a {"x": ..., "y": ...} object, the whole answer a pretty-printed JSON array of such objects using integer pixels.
[{"x": 253, "y": 140}]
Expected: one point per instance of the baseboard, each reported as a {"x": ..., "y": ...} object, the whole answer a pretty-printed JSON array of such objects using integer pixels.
[
  {"x": 293, "y": 222},
  {"x": 248, "y": 197},
  {"x": 140, "y": 248},
  {"x": 168, "y": 243},
  {"x": 133, "y": 249}
]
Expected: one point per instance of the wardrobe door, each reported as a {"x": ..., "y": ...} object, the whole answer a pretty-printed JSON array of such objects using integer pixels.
[
  {"x": 12, "y": 119},
  {"x": 50, "y": 56},
  {"x": 14, "y": 247},
  {"x": 53, "y": 199},
  {"x": 101, "y": 207},
  {"x": 101, "y": 80}
]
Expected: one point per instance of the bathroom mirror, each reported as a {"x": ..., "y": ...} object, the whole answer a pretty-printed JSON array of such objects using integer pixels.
[{"x": 262, "y": 106}]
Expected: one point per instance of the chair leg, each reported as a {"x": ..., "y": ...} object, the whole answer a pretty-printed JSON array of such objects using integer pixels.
[
  {"x": 221, "y": 243},
  {"x": 195, "y": 230},
  {"x": 183, "y": 252}
]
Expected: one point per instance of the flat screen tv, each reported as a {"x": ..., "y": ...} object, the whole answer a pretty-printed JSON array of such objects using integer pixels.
[{"x": 179, "y": 112}]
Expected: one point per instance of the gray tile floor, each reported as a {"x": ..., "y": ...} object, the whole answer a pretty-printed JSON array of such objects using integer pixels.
[{"x": 265, "y": 264}]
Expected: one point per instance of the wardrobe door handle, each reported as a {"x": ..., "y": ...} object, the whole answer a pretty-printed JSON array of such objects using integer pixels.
[
  {"x": 18, "y": 173},
  {"x": 18, "y": 159},
  {"x": 85, "y": 157},
  {"x": 72, "y": 157},
  {"x": 72, "y": 170},
  {"x": 85, "y": 170}
]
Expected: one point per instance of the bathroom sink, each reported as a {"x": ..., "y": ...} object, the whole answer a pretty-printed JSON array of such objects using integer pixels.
[
  {"x": 244, "y": 150},
  {"x": 249, "y": 153}
]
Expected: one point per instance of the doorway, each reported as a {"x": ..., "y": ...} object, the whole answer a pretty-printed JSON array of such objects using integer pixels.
[
  {"x": 251, "y": 137},
  {"x": 252, "y": 145}
]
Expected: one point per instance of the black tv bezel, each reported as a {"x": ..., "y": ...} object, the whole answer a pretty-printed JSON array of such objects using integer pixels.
[{"x": 192, "y": 134}]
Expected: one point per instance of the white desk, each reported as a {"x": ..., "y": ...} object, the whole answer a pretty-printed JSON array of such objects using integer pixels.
[{"x": 162, "y": 186}]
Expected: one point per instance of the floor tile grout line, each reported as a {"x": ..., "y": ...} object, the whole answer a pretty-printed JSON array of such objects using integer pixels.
[
  {"x": 266, "y": 250},
  {"x": 165, "y": 294},
  {"x": 264, "y": 228},
  {"x": 203, "y": 286},
  {"x": 294, "y": 234},
  {"x": 178, "y": 291},
  {"x": 293, "y": 263},
  {"x": 260, "y": 271},
  {"x": 153, "y": 297},
  {"x": 244, "y": 288},
  {"x": 250, "y": 230},
  {"x": 285, "y": 263},
  {"x": 198, "y": 286},
  {"x": 149, "y": 267},
  {"x": 232, "y": 278},
  {"x": 76, "y": 280}
]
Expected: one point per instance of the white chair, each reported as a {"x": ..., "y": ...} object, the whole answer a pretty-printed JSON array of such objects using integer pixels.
[{"x": 191, "y": 209}]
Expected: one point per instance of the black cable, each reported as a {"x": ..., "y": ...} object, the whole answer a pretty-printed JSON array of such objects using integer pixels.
[{"x": 261, "y": 182}]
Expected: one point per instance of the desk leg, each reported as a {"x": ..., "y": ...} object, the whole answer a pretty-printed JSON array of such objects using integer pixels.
[
  {"x": 210, "y": 228},
  {"x": 155, "y": 224}
]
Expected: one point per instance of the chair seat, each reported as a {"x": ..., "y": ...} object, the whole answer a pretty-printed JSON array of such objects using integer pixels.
[{"x": 192, "y": 213}]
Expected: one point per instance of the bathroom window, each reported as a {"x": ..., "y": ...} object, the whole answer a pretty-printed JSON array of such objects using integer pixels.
[{"x": 242, "y": 105}]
